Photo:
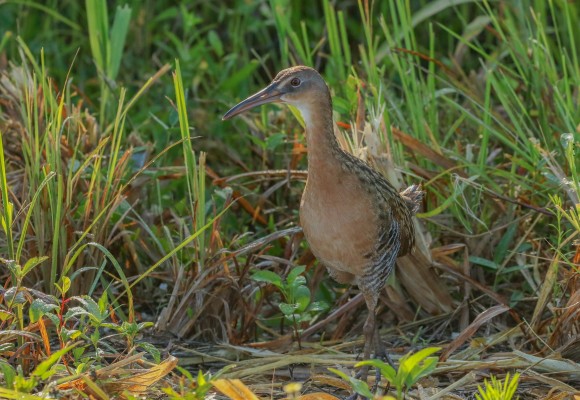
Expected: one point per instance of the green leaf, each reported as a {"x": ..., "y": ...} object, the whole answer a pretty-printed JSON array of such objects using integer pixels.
[
  {"x": 302, "y": 297},
  {"x": 118, "y": 35},
  {"x": 361, "y": 388},
  {"x": 143, "y": 325},
  {"x": 185, "y": 373},
  {"x": 340, "y": 374},
  {"x": 215, "y": 43},
  {"x": 152, "y": 350},
  {"x": 275, "y": 140},
  {"x": 236, "y": 78},
  {"x": 201, "y": 381},
  {"x": 44, "y": 367},
  {"x": 501, "y": 249},
  {"x": 31, "y": 263},
  {"x": 288, "y": 309},
  {"x": 267, "y": 276},
  {"x": 423, "y": 370},
  {"x": 98, "y": 30},
  {"x": 298, "y": 281},
  {"x": 386, "y": 370},
  {"x": 318, "y": 306},
  {"x": 7, "y": 206},
  {"x": 484, "y": 262},
  {"x": 75, "y": 333},
  {"x": 358, "y": 386},
  {"x": 9, "y": 374},
  {"x": 410, "y": 362},
  {"x": 77, "y": 354},
  {"x": 38, "y": 308},
  {"x": 494, "y": 389},
  {"x": 414, "y": 359},
  {"x": 65, "y": 286},
  {"x": 434, "y": 7},
  {"x": 4, "y": 315},
  {"x": 294, "y": 273},
  {"x": 75, "y": 312},
  {"x": 22, "y": 384},
  {"x": 303, "y": 317},
  {"x": 53, "y": 318},
  {"x": 92, "y": 308},
  {"x": 129, "y": 328},
  {"x": 103, "y": 303}
]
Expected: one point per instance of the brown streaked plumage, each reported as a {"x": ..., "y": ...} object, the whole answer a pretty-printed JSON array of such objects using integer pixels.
[{"x": 354, "y": 220}]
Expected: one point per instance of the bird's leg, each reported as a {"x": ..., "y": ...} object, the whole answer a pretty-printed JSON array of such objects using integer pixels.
[
  {"x": 370, "y": 333},
  {"x": 372, "y": 338},
  {"x": 381, "y": 352}
]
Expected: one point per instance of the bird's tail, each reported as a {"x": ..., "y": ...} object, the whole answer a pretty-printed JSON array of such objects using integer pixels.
[{"x": 413, "y": 197}]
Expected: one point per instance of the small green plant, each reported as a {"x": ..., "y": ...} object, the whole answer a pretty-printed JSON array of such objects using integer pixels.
[
  {"x": 297, "y": 307},
  {"x": 189, "y": 387},
  {"x": 412, "y": 367},
  {"x": 498, "y": 390},
  {"x": 357, "y": 385},
  {"x": 16, "y": 382}
]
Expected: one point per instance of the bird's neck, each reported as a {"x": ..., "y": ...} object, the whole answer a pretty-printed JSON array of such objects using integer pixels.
[{"x": 323, "y": 148}]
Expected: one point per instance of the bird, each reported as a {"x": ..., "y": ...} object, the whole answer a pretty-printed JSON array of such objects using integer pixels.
[{"x": 355, "y": 222}]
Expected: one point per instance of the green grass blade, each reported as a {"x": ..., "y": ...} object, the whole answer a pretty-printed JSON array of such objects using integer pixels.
[
  {"x": 118, "y": 35},
  {"x": 7, "y": 206}
]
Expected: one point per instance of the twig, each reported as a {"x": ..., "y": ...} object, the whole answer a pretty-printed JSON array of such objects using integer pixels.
[{"x": 352, "y": 303}]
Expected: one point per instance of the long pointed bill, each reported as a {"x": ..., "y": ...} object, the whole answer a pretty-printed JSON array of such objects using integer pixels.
[{"x": 270, "y": 94}]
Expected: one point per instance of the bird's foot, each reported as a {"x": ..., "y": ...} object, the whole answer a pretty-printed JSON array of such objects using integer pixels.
[
  {"x": 381, "y": 354},
  {"x": 362, "y": 373}
]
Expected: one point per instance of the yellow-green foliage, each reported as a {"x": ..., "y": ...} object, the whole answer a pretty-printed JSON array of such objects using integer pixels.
[{"x": 498, "y": 390}]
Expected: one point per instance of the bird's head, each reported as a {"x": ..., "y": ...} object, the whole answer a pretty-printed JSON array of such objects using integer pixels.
[{"x": 298, "y": 86}]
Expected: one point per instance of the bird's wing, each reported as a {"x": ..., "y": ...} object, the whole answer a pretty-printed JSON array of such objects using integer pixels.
[
  {"x": 383, "y": 261},
  {"x": 395, "y": 211}
]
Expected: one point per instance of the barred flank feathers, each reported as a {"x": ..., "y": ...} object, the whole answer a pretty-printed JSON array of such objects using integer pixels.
[{"x": 413, "y": 197}]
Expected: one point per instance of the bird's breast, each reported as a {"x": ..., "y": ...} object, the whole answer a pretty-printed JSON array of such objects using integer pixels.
[{"x": 339, "y": 221}]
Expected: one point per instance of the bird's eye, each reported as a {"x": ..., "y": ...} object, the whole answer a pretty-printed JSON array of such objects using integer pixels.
[{"x": 295, "y": 82}]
